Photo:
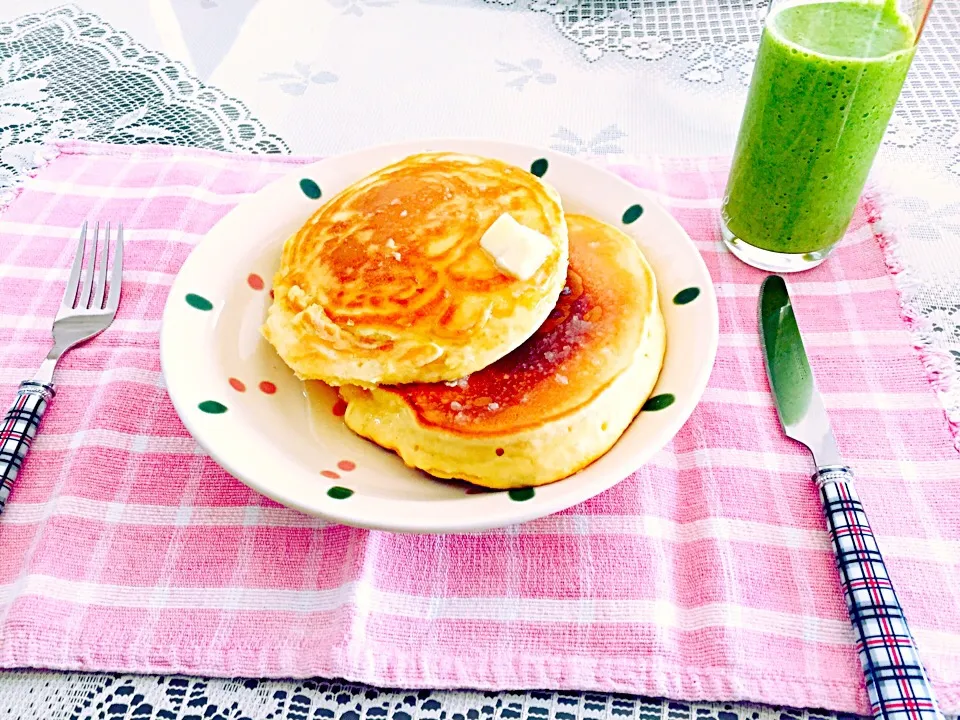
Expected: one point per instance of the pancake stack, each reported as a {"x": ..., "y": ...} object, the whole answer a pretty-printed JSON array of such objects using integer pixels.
[{"x": 463, "y": 369}]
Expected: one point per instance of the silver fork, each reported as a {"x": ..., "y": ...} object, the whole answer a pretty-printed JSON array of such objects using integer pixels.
[{"x": 81, "y": 316}]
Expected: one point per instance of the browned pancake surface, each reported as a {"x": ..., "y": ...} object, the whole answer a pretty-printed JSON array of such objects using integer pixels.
[
  {"x": 404, "y": 251},
  {"x": 587, "y": 341}
]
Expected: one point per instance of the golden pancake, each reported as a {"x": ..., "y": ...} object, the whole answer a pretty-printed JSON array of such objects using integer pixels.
[
  {"x": 388, "y": 283},
  {"x": 554, "y": 404}
]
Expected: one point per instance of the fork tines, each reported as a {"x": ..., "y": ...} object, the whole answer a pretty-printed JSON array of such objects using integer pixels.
[{"x": 94, "y": 272}]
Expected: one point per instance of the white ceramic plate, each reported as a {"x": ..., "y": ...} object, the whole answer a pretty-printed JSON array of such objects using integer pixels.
[{"x": 246, "y": 408}]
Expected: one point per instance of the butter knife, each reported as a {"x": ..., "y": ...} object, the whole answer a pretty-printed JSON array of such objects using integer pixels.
[{"x": 895, "y": 679}]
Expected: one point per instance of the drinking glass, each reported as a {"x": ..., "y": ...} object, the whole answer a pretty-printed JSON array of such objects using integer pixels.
[{"x": 827, "y": 76}]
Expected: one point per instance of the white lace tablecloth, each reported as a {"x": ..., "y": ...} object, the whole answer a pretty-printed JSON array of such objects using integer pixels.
[{"x": 619, "y": 79}]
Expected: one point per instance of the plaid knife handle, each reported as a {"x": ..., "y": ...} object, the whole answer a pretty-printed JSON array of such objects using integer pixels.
[
  {"x": 18, "y": 430},
  {"x": 896, "y": 681}
]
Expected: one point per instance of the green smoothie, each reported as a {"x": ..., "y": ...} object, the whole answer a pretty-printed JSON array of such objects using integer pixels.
[{"x": 826, "y": 79}]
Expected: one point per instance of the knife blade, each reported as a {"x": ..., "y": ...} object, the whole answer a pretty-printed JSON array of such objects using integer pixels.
[
  {"x": 799, "y": 405},
  {"x": 896, "y": 681}
]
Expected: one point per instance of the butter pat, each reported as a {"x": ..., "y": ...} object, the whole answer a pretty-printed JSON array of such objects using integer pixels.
[{"x": 516, "y": 249}]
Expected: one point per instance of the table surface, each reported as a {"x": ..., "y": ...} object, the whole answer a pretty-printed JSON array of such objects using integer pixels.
[{"x": 616, "y": 80}]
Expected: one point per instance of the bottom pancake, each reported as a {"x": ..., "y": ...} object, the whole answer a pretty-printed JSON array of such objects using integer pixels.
[{"x": 553, "y": 405}]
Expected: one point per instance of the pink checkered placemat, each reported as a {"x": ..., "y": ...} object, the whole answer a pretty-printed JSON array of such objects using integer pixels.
[{"x": 706, "y": 575}]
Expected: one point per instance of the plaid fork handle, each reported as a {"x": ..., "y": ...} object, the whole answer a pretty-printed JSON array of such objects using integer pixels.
[
  {"x": 896, "y": 681},
  {"x": 19, "y": 427}
]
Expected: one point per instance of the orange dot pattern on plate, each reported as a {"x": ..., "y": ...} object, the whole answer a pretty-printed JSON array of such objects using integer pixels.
[
  {"x": 344, "y": 465},
  {"x": 255, "y": 281},
  {"x": 237, "y": 385},
  {"x": 339, "y": 408},
  {"x": 268, "y": 387}
]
